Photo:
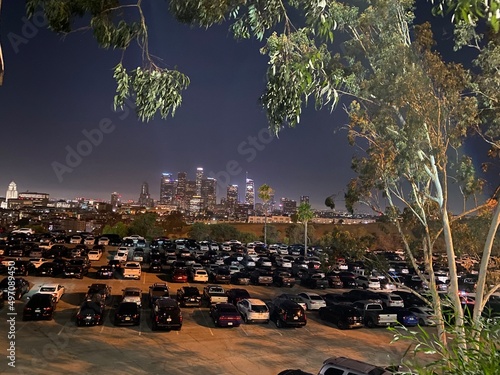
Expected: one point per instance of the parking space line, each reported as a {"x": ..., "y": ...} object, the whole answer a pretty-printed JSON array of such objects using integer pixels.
[
  {"x": 243, "y": 329},
  {"x": 102, "y": 329},
  {"x": 60, "y": 331}
]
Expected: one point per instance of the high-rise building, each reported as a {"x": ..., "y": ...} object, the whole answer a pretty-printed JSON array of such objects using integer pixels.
[
  {"x": 167, "y": 189},
  {"x": 190, "y": 192},
  {"x": 232, "y": 197},
  {"x": 304, "y": 199},
  {"x": 288, "y": 206},
  {"x": 209, "y": 193},
  {"x": 199, "y": 179},
  {"x": 144, "y": 197},
  {"x": 115, "y": 199},
  {"x": 250, "y": 193},
  {"x": 11, "y": 191},
  {"x": 180, "y": 192}
]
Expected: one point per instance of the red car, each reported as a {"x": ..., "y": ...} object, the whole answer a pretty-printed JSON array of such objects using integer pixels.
[{"x": 180, "y": 276}]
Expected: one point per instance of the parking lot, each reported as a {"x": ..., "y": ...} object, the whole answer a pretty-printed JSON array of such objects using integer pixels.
[{"x": 59, "y": 346}]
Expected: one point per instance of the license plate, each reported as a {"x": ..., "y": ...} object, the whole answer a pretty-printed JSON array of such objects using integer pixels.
[
  {"x": 229, "y": 323},
  {"x": 38, "y": 310},
  {"x": 169, "y": 319},
  {"x": 295, "y": 318},
  {"x": 127, "y": 318},
  {"x": 88, "y": 318}
]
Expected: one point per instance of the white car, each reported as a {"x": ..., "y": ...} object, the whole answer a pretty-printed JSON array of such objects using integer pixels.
[
  {"x": 94, "y": 255},
  {"x": 55, "y": 289},
  {"x": 37, "y": 262},
  {"x": 233, "y": 269},
  {"x": 200, "y": 276},
  {"x": 24, "y": 230},
  {"x": 104, "y": 241},
  {"x": 204, "y": 246},
  {"x": 75, "y": 239},
  {"x": 121, "y": 254},
  {"x": 391, "y": 300},
  {"x": 132, "y": 294},
  {"x": 367, "y": 282},
  {"x": 197, "y": 266},
  {"x": 313, "y": 301},
  {"x": 425, "y": 315},
  {"x": 253, "y": 309},
  {"x": 89, "y": 241},
  {"x": 134, "y": 237}
]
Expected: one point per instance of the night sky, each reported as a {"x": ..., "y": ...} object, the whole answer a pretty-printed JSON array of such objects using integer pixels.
[{"x": 55, "y": 89}]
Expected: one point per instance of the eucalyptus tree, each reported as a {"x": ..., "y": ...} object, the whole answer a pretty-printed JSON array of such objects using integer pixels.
[{"x": 265, "y": 194}]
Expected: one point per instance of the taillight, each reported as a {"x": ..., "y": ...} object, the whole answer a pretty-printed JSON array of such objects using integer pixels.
[
  {"x": 180, "y": 318},
  {"x": 78, "y": 316},
  {"x": 285, "y": 316}
]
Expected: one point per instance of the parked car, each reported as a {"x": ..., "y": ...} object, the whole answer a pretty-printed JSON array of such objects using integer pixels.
[
  {"x": 348, "y": 366},
  {"x": 75, "y": 239},
  {"x": 23, "y": 268},
  {"x": 155, "y": 266},
  {"x": 104, "y": 241},
  {"x": 121, "y": 254},
  {"x": 103, "y": 291},
  {"x": 105, "y": 272},
  {"x": 234, "y": 295},
  {"x": 19, "y": 287},
  {"x": 127, "y": 313},
  {"x": 158, "y": 290},
  {"x": 132, "y": 294},
  {"x": 94, "y": 255},
  {"x": 295, "y": 298},
  {"x": 225, "y": 315},
  {"x": 358, "y": 295},
  {"x": 199, "y": 276},
  {"x": 366, "y": 282},
  {"x": 166, "y": 314},
  {"x": 189, "y": 296},
  {"x": 313, "y": 301},
  {"x": 50, "y": 269},
  {"x": 55, "y": 290},
  {"x": 39, "y": 306},
  {"x": 391, "y": 300},
  {"x": 214, "y": 294},
  {"x": 138, "y": 256},
  {"x": 343, "y": 315},
  {"x": 283, "y": 278},
  {"x": 180, "y": 275},
  {"x": 287, "y": 313},
  {"x": 261, "y": 276},
  {"x": 240, "y": 278},
  {"x": 425, "y": 315},
  {"x": 374, "y": 314},
  {"x": 314, "y": 280},
  {"x": 252, "y": 310},
  {"x": 221, "y": 276},
  {"x": 334, "y": 281},
  {"x": 405, "y": 316},
  {"x": 90, "y": 313}
]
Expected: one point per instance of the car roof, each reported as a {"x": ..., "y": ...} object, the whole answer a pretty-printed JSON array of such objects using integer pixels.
[
  {"x": 166, "y": 302},
  {"x": 255, "y": 301},
  {"x": 132, "y": 288}
]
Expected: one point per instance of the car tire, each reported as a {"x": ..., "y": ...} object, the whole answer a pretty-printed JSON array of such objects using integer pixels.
[
  {"x": 245, "y": 319},
  {"x": 279, "y": 323},
  {"x": 421, "y": 322},
  {"x": 154, "y": 327},
  {"x": 342, "y": 325},
  {"x": 370, "y": 323}
]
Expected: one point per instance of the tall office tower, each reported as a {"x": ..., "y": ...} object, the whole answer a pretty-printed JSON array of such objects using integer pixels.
[
  {"x": 115, "y": 199},
  {"x": 180, "y": 192},
  {"x": 144, "y": 197},
  {"x": 232, "y": 197},
  {"x": 209, "y": 193},
  {"x": 271, "y": 205},
  {"x": 167, "y": 189},
  {"x": 288, "y": 206},
  {"x": 11, "y": 191},
  {"x": 190, "y": 191},
  {"x": 304, "y": 199},
  {"x": 199, "y": 179},
  {"x": 250, "y": 193}
]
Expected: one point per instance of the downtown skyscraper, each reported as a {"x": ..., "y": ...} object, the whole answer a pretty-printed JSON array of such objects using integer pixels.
[
  {"x": 167, "y": 189},
  {"x": 250, "y": 192}
]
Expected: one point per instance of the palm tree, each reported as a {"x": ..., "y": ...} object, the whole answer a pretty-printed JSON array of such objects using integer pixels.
[
  {"x": 265, "y": 193},
  {"x": 304, "y": 214}
]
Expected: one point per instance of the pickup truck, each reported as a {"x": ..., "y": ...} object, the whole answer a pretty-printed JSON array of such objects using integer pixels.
[
  {"x": 213, "y": 294},
  {"x": 132, "y": 270},
  {"x": 374, "y": 314}
]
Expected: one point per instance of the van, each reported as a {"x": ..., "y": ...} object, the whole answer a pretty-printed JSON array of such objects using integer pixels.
[{"x": 348, "y": 366}]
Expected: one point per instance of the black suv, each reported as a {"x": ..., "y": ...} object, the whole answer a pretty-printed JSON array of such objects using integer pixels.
[
  {"x": 189, "y": 296},
  {"x": 156, "y": 291},
  {"x": 39, "y": 306},
  {"x": 165, "y": 313},
  {"x": 343, "y": 315},
  {"x": 287, "y": 313},
  {"x": 101, "y": 292}
]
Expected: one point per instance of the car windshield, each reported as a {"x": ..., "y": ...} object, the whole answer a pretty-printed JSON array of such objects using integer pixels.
[
  {"x": 259, "y": 308},
  {"x": 316, "y": 298},
  {"x": 47, "y": 289},
  {"x": 228, "y": 310},
  {"x": 132, "y": 293}
]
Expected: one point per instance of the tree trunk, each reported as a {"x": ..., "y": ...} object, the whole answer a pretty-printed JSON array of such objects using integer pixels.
[
  {"x": 305, "y": 238},
  {"x": 265, "y": 227},
  {"x": 481, "y": 281}
]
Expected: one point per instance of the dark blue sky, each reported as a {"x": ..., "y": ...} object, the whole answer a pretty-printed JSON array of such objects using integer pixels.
[{"x": 56, "y": 89}]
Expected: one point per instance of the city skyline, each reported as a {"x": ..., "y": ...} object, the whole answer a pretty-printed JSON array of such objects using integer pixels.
[{"x": 62, "y": 136}]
